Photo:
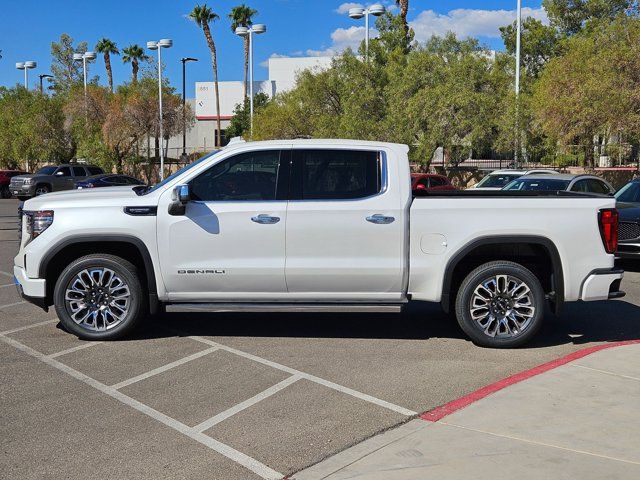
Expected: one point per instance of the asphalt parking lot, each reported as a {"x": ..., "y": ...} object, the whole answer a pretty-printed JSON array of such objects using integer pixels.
[{"x": 242, "y": 396}]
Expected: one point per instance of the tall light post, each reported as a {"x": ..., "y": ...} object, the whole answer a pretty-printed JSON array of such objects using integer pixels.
[
  {"x": 41, "y": 77},
  {"x": 84, "y": 58},
  {"x": 257, "y": 29},
  {"x": 184, "y": 96},
  {"x": 159, "y": 45},
  {"x": 516, "y": 156},
  {"x": 358, "y": 12},
  {"x": 26, "y": 66}
]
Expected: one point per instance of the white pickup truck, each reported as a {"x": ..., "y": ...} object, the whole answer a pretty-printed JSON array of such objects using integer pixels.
[{"x": 313, "y": 225}]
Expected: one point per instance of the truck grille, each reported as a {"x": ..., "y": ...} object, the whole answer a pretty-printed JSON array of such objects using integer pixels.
[
  {"x": 16, "y": 182},
  {"x": 628, "y": 231}
]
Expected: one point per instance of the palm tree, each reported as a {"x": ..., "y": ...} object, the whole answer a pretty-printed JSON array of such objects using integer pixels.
[
  {"x": 134, "y": 54},
  {"x": 241, "y": 16},
  {"x": 202, "y": 15},
  {"x": 108, "y": 48},
  {"x": 404, "y": 9}
]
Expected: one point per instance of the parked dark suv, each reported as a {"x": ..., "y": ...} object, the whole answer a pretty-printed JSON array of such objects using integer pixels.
[{"x": 51, "y": 178}]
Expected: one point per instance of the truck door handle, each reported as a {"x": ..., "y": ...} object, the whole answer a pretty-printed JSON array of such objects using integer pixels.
[
  {"x": 265, "y": 219},
  {"x": 380, "y": 219}
]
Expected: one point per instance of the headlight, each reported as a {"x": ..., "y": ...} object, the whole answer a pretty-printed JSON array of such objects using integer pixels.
[
  {"x": 28, "y": 181},
  {"x": 37, "y": 222}
]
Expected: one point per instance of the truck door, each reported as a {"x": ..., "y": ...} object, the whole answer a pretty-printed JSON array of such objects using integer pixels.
[
  {"x": 230, "y": 243},
  {"x": 345, "y": 227}
]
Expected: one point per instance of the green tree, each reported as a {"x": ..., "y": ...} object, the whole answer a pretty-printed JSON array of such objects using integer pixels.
[
  {"x": 203, "y": 15},
  {"x": 539, "y": 44},
  {"x": 66, "y": 71},
  {"x": 404, "y": 10},
  {"x": 570, "y": 16},
  {"x": 242, "y": 16},
  {"x": 241, "y": 120},
  {"x": 134, "y": 54},
  {"x": 107, "y": 48}
]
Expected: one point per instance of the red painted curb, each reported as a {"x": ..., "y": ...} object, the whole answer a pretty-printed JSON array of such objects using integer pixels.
[{"x": 442, "y": 411}]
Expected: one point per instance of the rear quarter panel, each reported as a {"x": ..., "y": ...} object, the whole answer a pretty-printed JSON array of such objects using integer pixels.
[{"x": 441, "y": 227}]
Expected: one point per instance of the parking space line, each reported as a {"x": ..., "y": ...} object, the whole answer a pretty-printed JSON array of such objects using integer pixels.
[
  {"x": 12, "y": 304},
  {"x": 6, "y": 273},
  {"x": 606, "y": 372},
  {"x": 164, "y": 368},
  {"x": 27, "y": 327},
  {"x": 231, "y": 453},
  {"x": 313, "y": 378},
  {"x": 207, "y": 424},
  {"x": 8, "y": 285},
  {"x": 73, "y": 349}
]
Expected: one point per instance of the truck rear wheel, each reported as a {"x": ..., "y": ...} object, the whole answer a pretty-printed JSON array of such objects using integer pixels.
[
  {"x": 500, "y": 305},
  {"x": 99, "y": 297}
]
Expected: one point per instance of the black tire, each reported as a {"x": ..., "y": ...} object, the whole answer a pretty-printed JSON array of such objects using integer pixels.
[
  {"x": 505, "y": 336},
  {"x": 23, "y": 198},
  {"x": 41, "y": 190},
  {"x": 5, "y": 192},
  {"x": 127, "y": 272}
]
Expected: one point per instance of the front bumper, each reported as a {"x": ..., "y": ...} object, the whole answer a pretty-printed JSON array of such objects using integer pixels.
[
  {"x": 33, "y": 290},
  {"x": 23, "y": 190},
  {"x": 602, "y": 284}
]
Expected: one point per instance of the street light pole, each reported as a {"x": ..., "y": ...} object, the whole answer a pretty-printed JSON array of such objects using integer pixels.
[
  {"x": 357, "y": 13},
  {"x": 26, "y": 66},
  {"x": 258, "y": 28},
  {"x": 184, "y": 96},
  {"x": 517, "y": 83},
  {"x": 84, "y": 57},
  {"x": 42, "y": 76},
  {"x": 164, "y": 43}
]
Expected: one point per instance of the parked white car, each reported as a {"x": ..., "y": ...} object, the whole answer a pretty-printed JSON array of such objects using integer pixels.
[
  {"x": 497, "y": 179},
  {"x": 313, "y": 225},
  {"x": 562, "y": 182}
]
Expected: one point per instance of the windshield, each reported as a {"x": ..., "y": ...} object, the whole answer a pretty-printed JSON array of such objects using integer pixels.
[
  {"x": 46, "y": 171},
  {"x": 179, "y": 172},
  {"x": 497, "y": 180},
  {"x": 540, "y": 184},
  {"x": 630, "y": 193}
]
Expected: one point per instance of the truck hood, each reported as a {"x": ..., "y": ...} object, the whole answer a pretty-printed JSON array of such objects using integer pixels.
[
  {"x": 27, "y": 175},
  {"x": 106, "y": 196}
]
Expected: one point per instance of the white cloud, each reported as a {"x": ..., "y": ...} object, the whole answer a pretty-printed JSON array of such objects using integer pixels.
[
  {"x": 344, "y": 8},
  {"x": 468, "y": 22},
  {"x": 343, "y": 38}
]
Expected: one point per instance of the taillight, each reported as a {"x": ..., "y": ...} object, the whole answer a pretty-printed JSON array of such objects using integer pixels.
[{"x": 608, "y": 220}]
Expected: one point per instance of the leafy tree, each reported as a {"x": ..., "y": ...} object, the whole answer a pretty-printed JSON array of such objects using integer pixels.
[
  {"x": 539, "y": 43},
  {"x": 570, "y": 16},
  {"x": 66, "y": 71},
  {"x": 404, "y": 10},
  {"x": 242, "y": 16},
  {"x": 241, "y": 121},
  {"x": 592, "y": 89},
  {"x": 203, "y": 15},
  {"x": 134, "y": 54},
  {"x": 107, "y": 48},
  {"x": 32, "y": 129}
]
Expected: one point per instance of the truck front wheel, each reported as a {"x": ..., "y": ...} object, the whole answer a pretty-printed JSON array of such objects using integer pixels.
[
  {"x": 99, "y": 297},
  {"x": 500, "y": 304}
]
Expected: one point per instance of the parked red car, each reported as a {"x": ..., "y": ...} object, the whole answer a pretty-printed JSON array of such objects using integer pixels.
[
  {"x": 430, "y": 182},
  {"x": 5, "y": 178}
]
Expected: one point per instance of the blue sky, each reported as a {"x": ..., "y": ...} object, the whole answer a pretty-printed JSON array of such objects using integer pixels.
[{"x": 295, "y": 27}]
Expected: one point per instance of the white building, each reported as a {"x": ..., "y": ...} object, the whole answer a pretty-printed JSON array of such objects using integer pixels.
[{"x": 282, "y": 77}]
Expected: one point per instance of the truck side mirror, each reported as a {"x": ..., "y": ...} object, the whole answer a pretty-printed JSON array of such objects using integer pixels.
[{"x": 181, "y": 196}]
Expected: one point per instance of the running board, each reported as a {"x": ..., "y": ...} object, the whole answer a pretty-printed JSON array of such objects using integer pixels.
[{"x": 285, "y": 307}]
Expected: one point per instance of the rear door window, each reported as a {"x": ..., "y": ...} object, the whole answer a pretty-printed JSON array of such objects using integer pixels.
[
  {"x": 335, "y": 174},
  {"x": 94, "y": 170},
  {"x": 79, "y": 172}
]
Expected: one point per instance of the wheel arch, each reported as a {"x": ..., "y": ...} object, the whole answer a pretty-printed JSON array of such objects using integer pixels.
[
  {"x": 125, "y": 246},
  {"x": 506, "y": 247}
]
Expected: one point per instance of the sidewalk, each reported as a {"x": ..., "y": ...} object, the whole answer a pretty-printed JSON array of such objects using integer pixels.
[{"x": 576, "y": 418}]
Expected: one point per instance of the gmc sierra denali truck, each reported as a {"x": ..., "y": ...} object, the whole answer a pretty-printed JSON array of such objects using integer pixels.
[{"x": 313, "y": 225}]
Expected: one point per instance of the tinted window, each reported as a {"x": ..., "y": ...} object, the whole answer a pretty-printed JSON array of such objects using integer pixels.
[
  {"x": 596, "y": 186},
  {"x": 538, "y": 184},
  {"x": 46, "y": 171},
  {"x": 94, "y": 170},
  {"x": 437, "y": 181},
  {"x": 497, "y": 180},
  {"x": 629, "y": 193},
  {"x": 79, "y": 172},
  {"x": 63, "y": 172},
  {"x": 335, "y": 174},
  {"x": 248, "y": 176},
  {"x": 580, "y": 186}
]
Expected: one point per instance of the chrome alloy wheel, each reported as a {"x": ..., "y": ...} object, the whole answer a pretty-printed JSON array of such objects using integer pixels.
[
  {"x": 503, "y": 306},
  {"x": 97, "y": 299},
  {"x": 41, "y": 191}
]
